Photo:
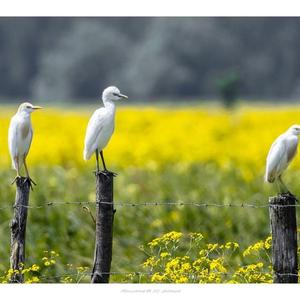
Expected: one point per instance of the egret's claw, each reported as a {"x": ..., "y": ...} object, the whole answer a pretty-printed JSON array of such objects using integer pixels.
[
  {"x": 16, "y": 178},
  {"x": 106, "y": 173},
  {"x": 30, "y": 182},
  {"x": 288, "y": 194},
  {"x": 292, "y": 195}
]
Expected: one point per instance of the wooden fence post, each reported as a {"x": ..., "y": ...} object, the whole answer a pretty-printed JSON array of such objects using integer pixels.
[
  {"x": 18, "y": 229},
  {"x": 284, "y": 238},
  {"x": 104, "y": 227}
]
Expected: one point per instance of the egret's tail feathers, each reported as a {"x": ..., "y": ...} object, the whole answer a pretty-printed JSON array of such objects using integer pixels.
[
  {"x": 13, "y": 164},
  {"x": 269, "y": 177},
  {"x": 86, "y": 155}
]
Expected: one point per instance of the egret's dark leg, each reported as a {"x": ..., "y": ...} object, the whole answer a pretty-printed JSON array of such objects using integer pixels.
[
  {"x": 27, "y": 174},
  {"x": 18, "y": 170},
  {"x": 284, "y": 188},
  {"x": 18, "y": 166},
  {"x": 97, "y": 160},
  {"x": 101, "y": 153},
  {"x": 278, "y": 187}
]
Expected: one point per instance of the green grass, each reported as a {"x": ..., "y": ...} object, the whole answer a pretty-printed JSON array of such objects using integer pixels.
[{"x": 69, "y": 230}]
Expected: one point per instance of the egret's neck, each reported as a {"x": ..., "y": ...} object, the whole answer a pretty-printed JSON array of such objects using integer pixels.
[
  {"x": 292, "y": 132},
  {"x": 25, "y": 114},
  {"x": 109, "y": 105}
]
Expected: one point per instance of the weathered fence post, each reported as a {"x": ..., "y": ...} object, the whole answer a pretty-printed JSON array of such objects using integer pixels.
[
  {"x": 104, "y": 227},
  {"x": 284, "y": 238},
  {"x": 18, "y": 229}
]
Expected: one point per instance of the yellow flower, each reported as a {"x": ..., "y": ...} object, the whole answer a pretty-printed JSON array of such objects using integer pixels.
[
  {"x": 196, "y": 235},
  {"x": 254, "y": 248},
  {"x": 150, "y": 262},
  {"x": 35, "y": 267},
  {"x": 186, "y": 267},
  {"x": 260, "y": 265},
  {"x": 217, "y": 264},
  {"x": 228, "y": 245},
  {"x": 235, "y": 245},
  {"x": 202, "y": 252},
  {"x": 156, "y": 277},
  {"x": 172, "y": 263},
  {"x": 10, "y": 271},
  {"x": 232, "y": 281},
  {"x": 67, "y": 279},
  {"x": 172, "y": 236},
  {"x": 182, "y": 279},
  {"x": 82, "y": 269},
  {"x": 153, "y": 243},
  {"x": 212, "y": 247},
  {"x": 268, "y": 242},
  {"x": 35, "y": 279},
  {"x": 164, "y": 254}
]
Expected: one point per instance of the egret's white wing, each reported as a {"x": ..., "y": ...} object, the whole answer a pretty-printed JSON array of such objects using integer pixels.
[
  {"x": 28, "y": 141},
  {"x": 292, "y": 145},
  {"x": 12, "y": 140},
  {"x": 93, "y": 131},
  {"x": 275, "y": 158}
]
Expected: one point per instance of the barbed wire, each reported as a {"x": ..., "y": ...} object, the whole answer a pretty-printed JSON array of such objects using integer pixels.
[{"x": 155, "y": 203}]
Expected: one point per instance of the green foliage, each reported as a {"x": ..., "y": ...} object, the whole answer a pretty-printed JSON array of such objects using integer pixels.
[{"x": 69, "y": 230}]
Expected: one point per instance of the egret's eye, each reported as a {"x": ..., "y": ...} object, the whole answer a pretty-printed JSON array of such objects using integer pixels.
[
  {"x": 28, "y": 106},
  {"x": 115, "y": 94}
]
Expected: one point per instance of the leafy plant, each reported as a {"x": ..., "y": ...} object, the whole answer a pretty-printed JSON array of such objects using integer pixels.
[{"x": 170, "y": 262}]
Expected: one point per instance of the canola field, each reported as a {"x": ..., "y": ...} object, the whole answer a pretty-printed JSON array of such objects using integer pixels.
[{"x": 161, "y": 154}]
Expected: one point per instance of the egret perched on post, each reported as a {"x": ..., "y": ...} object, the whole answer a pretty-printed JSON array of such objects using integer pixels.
[
  {"x": 101, "y": 126},
  {"x": 282, "y": 151},
  {"x": 20, "y": 136}
]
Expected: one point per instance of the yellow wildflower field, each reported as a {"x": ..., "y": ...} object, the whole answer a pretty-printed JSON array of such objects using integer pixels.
[{"x": 150, "y": 137}]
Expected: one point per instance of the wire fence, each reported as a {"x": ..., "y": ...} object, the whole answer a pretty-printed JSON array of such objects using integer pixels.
[
  {"x": 136, "y": 275},
  {"x": 137, "y": 204}
]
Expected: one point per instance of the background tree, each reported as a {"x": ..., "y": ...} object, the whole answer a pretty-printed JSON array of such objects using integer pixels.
[
  {"x": 228, "y": 87},
  {"x": 58, "y": 59}
]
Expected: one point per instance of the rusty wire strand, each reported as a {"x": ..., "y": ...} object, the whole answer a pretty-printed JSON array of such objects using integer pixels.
[{"x": 136, "y": 204}]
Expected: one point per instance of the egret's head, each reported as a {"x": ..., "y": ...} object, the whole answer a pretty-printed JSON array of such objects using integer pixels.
[
  {"x": 28, "y": 107},
  {"x": 112, "y": 93},
  {"x": 295, "y": 129}
]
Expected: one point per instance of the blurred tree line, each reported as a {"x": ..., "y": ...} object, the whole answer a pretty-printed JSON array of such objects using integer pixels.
[{"x": 149, "y": 58}]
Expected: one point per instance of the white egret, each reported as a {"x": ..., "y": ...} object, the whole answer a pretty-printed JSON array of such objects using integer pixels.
[
  {"x": 101, "y": 126},
  {"x": 282, "y": 151},
  {"x": 20, "y": 136}
]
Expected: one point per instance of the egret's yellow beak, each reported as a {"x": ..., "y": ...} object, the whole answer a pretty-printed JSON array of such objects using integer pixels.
[{"x": 36, "y": 107}]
